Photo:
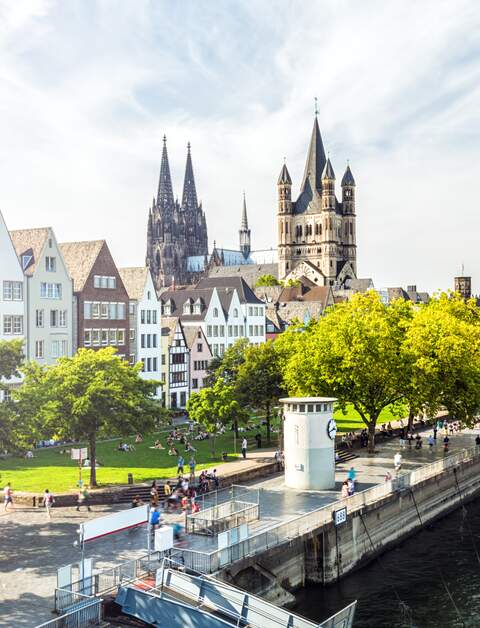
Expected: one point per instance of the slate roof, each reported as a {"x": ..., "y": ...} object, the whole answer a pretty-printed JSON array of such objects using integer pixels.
[
  {"x": 134, "y": 280},
  {"x": 80, "y": 258},
  {"x": 250, "y": 273},
  {"x": 178, "y": 298},
  {"x": 29, "y": 242},
  {"x": 328, "y": 170},
  {"x": 347, "y": 178},
  {"x": 169, "y": 325},
  {"x": 284, "y": 176},
  {"x": 312, "y": 177},
  {"x": 245, "y": 293}
]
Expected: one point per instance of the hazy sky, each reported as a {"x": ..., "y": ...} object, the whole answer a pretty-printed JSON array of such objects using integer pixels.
[{"x": 88, "y": 88}]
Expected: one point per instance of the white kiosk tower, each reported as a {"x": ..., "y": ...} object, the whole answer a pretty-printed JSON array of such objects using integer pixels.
[{"x": 309, "y": 436}]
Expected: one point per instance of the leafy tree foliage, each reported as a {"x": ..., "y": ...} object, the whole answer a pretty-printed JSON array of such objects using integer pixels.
[
  {"x": 11, "y": 357},
  {"x": 92, "y": 394},
  {"x": 214, "y": 405},
  {"x": 267, "y": 280},
  {"x": 259, "y": 379},
  {"x": 354, "y": 353},
  {"x": 226, "y": 366}
]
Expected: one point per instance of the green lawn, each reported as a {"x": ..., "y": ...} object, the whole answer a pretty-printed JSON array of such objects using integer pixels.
[
  {"x": 55, "y": 471},
  {"x": 352, "y": 421}
]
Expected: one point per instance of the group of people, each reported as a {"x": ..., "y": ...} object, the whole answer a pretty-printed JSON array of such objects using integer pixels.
[{"x": 348, "y": 485}]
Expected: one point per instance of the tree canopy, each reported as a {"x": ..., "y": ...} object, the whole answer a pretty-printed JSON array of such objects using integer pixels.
[
  {"x": 11, "y": 357},
  {"x": 92, "y": 394},
  {"x": 267, "y": 280}
]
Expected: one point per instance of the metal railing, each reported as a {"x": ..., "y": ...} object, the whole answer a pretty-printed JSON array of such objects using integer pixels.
[
  {"x": 81, "y": 611},
  {"x": 223, "y": 517},
  {"x": 283, "y": 532}
]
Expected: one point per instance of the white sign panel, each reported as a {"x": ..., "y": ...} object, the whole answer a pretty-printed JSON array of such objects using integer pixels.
[
  {"x": 79, "y": 454},
  {"x": 95, "y": 528},
  {"x": 340, "y": 516},
  {"x": 163, "y": 539}
]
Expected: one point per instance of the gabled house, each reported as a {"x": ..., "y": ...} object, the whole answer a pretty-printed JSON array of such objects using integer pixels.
[
  {"x": 101, "y": 301},
  {"x": 200, "y": 356},
  {"x": 178, "y": 359},
  {"x": 145, "y": 322},
  {"x": 12, "y": 304},
  {"x": 48, "y": 295}
]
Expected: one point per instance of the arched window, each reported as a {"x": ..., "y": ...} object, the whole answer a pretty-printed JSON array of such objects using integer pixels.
[
  {"x": 351, "y": 228},
  {"x": 286, "y": 227},
  {"x": 346, "y": 228},
  {"x": 215, "y": 312},
  {"x": 281, "y": 226},
  {"x": 235, "y": 313},
  {"x": 330, "y": 223},
  {"x": 157, "y": 259}
]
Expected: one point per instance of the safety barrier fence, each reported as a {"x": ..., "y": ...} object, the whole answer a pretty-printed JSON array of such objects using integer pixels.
[
  {"x": 223, "y": 517},
  {"x": 79, "y": 611}
]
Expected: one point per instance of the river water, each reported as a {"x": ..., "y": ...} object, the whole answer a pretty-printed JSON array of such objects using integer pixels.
[{"x": 431, "y": 580}]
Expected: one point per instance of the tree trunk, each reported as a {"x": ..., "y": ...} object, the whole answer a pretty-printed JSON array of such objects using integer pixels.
[
  {"x": 213, "y": 445},
  {"x": 411, "y": 416},
  {"x": 371, "y": 436},
  {"x": 235, "y": 426},
  {"x": 267, "y": 412},
  {"x": 93, "y": 455}
]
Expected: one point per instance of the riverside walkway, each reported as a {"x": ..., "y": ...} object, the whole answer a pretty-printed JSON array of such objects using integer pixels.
[{"x": 34, "y": 547}]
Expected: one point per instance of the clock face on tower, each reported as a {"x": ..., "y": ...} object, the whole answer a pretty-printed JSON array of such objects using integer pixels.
[{"x": 331, "y": 429}]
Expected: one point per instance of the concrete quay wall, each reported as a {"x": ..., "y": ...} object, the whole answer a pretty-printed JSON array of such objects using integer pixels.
[{"x": 328, "y": 553}]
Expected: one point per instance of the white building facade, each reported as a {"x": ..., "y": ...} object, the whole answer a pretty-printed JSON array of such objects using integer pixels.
[
  {"x": 12, "y": 305},
  {"x": 145, "y": 323},
  {"x": 48, "y": 295}
]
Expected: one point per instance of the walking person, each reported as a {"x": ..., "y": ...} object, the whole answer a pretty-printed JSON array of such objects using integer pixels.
[
  {"x": 82, "y": 499},
  {"x": 180, "y": 465},
  {"x": 397, "y": 462},
  {"x": 352, "y": 476},
  {"x": 244, "y": 447},
  {"x": 345, "y": 492},
  {"x": 477, "y": 440},
  {"x": 446, "y": 440},
  {"x": 192, "y": 465},
  {"x": 48, "y": 501},
  {"x": 8, "y": 497},
  {"x": 258, "y": 438},
  {"x": 431, "y": 443}
]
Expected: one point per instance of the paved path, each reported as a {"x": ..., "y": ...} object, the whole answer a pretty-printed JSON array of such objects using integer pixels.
[{"x": 32, "y": 548}]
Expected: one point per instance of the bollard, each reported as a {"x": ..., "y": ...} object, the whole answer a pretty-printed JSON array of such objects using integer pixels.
[{"x": 130, "y": 478}]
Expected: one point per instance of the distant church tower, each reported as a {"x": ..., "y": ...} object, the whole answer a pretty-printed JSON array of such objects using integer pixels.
[
  {"x": 316, "y": 233},
  {"x": 175, "y": 231},
  {"x": 245, "y": 245}
]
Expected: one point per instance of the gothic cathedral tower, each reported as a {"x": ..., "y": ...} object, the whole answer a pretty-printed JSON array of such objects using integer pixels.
[
  {"x": 316, "y": 233},
  {"x": 175, "y": 232}
]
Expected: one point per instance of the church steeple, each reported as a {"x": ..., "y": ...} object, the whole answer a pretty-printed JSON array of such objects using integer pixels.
[
  {"x": 244, "y": 232},
  {"x": 189, "y": 197},
  {"x": 312, "y": 177},
  {"x": 165, "y": 191}
]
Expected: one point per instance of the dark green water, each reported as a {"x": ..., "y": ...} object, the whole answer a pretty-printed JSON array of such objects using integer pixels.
[{"x": 419, "y": 572}]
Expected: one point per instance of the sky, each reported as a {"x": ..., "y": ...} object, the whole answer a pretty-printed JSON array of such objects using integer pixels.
[{"x": 88, "y": 88}]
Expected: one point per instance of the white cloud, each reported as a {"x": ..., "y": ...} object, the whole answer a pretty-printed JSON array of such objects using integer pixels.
[{"x": 88, "y": 89}]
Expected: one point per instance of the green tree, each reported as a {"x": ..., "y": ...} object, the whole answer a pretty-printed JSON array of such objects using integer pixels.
[
  {"x": 267, "y": 280},
  {"x": 443, "y": 343},
  {"x": 226, "y": 366},
  {"x": 354, "y": 353},
  {"x": 214, "y": 405},
  {"x": 259, "y": 379},
  {"x": 11, "y": 357},
  {"x": 92, "y": 394}
]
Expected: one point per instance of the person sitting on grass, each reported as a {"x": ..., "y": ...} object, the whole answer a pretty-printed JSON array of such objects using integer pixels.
[
  {"x": 190, "y": 448},
  {"x": 158, "y": 445},
  {"x": 138, "y": 439}
]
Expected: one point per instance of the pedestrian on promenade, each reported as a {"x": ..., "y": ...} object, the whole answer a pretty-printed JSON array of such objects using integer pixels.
[
  {"x": 345, "y": 492},
  {"x": 192, "y": 465},
  {"x": 350, "y": 487},
  {"x": 402, "y": 438},
  {"x": 477, "y": 440},
  {"x": 352, "y": 475},
  {"x": 397, "y": 461},
  {"x": 446, "y": 440},
  {"x": 180, "y": 464},
  {"x": 82, "y": 499},
  {"x": 48, "y": 501},
  {"x": 431, "y": 443},
  {"x": 244, "y": 447},
  {"x": 418, "y": 444},
  {"x": 8, "y": 497},
  {"x": 435, "y": 430},
  {"x": 258, "y": 438},
  {"x": 410, "y": 440}
]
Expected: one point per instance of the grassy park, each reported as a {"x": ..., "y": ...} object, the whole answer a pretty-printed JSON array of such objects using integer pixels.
[{"x": 57, "y": 472}]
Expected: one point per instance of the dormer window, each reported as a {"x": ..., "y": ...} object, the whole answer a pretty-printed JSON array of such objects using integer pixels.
[
  {"x": 235, "y": 313},
  {"x": 215, "y": 312}
]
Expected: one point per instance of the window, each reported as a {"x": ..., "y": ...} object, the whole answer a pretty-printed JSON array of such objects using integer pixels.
[
  {"x": 87, "y": 337},
  {"x": 262, "y": 330},
  {"x": 13, "y": 325},
  {"x": 132, "y": 359},
  {"x": 149, "y": 364},
  {"x": 194, "y": 383},
  {"x": 53, "y": 318},
  {"x": 215, "y": 312},
  {"x": 142, "y": 317},
  {"x": 112, "y": 311},
  {"x": 95, "y": 337},
  {"x": 104, "y": 336},
  {"x": 51, "y": 290},
  {"x": 12, "y": 291},
  {"x": 55, "y": 349},
  {"x": 101, "y": 281},
  {"x": 250, "y": 330},
  {"x": 183, "y": 399},
  {"x": 215, "y": 331},
  {"x": 131, "y": 310},
  {"x": 148, "y": 341},
  {"x": 163, "y": 359},
  {"x": 132, "y": 334},
  {"x": 178, "y": 358},
  {"x": 209, "y": 330},
  {"x": 121, "y": 336},
  {"x": 164, "y": 379},
  {"x": 250, "y": 311},
  {"x": 199, "y": 334},
  {"x": 235, "y": 331},
  {"x": 154, "y": 340},
  {"x": 222, "y": 330},
  {"x": 199, "y": 347},
  {"x": 154, "y": 364},
  {"x": 149, "y": 295},
  {"x": 112, "y": 336},
  {"x": 235, "y": 313},
  {"x": 95, "y": 310},
  {"x": 7, "y": 325},
  {"x": 143, "y": 364},
  {"x": 241, "y": 330},
  {"x": 39, "y": 348},
  {"x": 230, "y": 330},
  {"x": 178, "y": 377},
  {"x": 149, "y": 316},
  {"x": 62, "y": 318},
  {"x": 87, "y": 310},
  {"x": 105, "y": 311},
  {"x": 50, "y": 266},
  {"x": 154, "y": 317},
  {"x": 38, "y": 318},
  {"x": 222, "y": 349}
]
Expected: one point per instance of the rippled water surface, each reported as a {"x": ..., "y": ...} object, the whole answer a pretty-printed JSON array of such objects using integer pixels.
[{"x": 412, "y": 584}]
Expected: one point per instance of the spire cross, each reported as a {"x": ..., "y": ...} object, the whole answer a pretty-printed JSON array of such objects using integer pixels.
[
  {"x": 164, "y": 139},
  {"x": 316, "y": 106}
]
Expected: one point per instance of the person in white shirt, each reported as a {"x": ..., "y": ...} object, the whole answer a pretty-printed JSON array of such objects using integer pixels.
[
  {"x": 397, "y": 461},
  {"x": 244, "y": 448}
]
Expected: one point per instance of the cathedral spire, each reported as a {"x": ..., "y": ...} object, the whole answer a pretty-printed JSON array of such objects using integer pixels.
[
  {"x": 316, "y": 160},
  {"x": 189, "y": 197},
  {"x": 165, "y": 191},
  {"x": 244, "y": 223},
  {"x": 244, "y": 232}
]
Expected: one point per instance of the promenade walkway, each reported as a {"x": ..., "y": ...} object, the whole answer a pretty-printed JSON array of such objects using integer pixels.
[{"x": 33, "y": 547}]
